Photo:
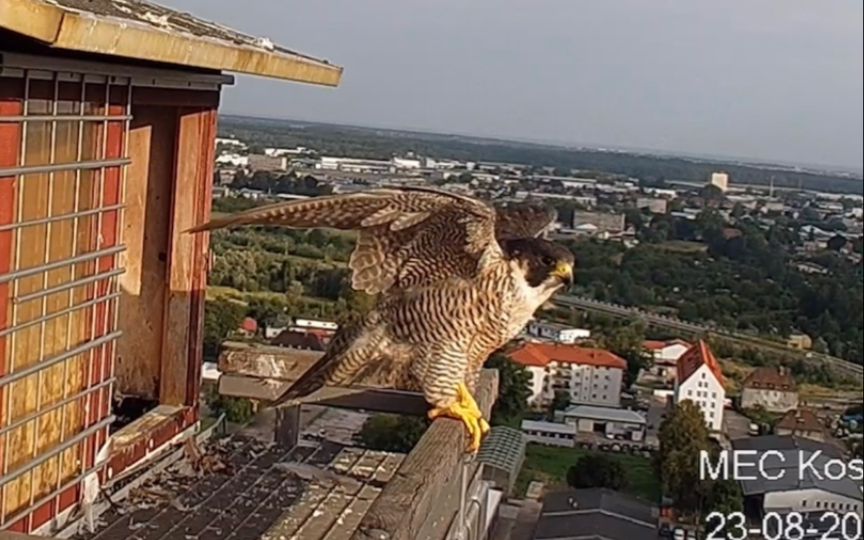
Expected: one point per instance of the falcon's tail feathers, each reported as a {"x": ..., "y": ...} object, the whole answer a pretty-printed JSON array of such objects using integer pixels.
[
  {"x": 353, "y": 348},
  {"x": 308, "y": 383}
]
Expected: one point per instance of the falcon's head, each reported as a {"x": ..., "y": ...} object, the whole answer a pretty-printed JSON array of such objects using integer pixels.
[{"x": 545, "y": 265}]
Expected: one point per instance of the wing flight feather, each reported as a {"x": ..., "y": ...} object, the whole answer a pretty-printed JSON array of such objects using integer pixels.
[
  {"x": 523, "y": 220},
  {"x": 407, "y": 236}
]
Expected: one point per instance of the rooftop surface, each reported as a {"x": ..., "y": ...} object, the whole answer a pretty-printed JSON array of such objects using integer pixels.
[
  {"x": 503, "y": 448},
  {"x": 142, "y": 30},
  {"x": 549, "y": 427},
  {"x": 595, "y": 513},
  {"x": 656, "y": 345},
  {"x": 770, "y": 378},
  {"x": 785, "y": 442},
  {"x": 786, "y": 467},
  {"x": 252, "y": 490},
  {"x": 606, "y": 413},
  {"x": 800, "y": 420},
  {"x": 541, "y": 354},
  {"x": 697, "y": 356}
]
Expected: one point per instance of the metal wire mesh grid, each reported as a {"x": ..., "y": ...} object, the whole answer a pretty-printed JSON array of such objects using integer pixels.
[{"x": 59, "y": 286}]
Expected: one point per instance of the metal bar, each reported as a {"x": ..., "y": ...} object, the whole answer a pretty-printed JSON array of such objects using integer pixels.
[
  {"x": 19, "y": 204},
  {"x": 97, "y": 355},
  {"x": 64, "y": 118},
  {"x": 8, "y": 330},
  {"x": 66, "y": 401},
  {"x": 121, "y": 216},
  {"x": 60, "y": 167},
  {"x": 46, "y": 258},
  {"x": 33, "y": 368},
  {"x": 44, "y": 293},
  {"x": 32, "y": 271},
  {"x": 76, "y": 209},
  {"x": 20, "y": 471},
  {"x": 59, "y": 217},
  {"x": 55, "y": 493}
]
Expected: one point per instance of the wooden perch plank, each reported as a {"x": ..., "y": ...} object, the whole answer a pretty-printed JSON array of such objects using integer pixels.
[
  {"x": 241, "y": 386},
  {"x": 369, "y": 399},
  {"x": 421, "y": 500},
  {"x": 279, "y": 363}
]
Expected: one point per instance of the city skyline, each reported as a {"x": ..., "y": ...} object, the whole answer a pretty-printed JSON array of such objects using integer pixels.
[{"x": 853, "y": 172}]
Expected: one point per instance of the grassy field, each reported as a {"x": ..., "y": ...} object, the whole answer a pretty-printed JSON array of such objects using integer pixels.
[
  {"x": 214, "y": 293},
  {"x": 550, "y": 464}
]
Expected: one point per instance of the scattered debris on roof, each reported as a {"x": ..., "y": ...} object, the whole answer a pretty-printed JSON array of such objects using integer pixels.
[{"x": 248, "y": 489}]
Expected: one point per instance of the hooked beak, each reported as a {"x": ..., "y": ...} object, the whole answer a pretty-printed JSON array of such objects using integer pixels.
[{"x": 565, "y": 272}]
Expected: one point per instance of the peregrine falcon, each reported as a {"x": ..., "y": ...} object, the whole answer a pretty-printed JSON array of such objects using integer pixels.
[{"x": 455, "y": 277}]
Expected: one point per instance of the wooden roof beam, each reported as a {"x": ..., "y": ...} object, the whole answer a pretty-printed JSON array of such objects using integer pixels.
[{"x": 190, "y": 42}]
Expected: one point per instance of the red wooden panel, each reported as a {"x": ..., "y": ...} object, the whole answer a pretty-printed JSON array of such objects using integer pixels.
[
  {"x": 11, "y": 94},
  {"x": 108, "y": 192},
  {"x": 41, "y": 515},
  {"x": 127, "y": 456}
]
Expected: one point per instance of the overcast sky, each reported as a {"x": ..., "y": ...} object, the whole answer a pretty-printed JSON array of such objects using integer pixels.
[{"x": 778, "y": 80}]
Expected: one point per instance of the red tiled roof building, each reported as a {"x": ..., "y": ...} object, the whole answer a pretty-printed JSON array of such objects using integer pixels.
[{"x": 699, "y": 380}]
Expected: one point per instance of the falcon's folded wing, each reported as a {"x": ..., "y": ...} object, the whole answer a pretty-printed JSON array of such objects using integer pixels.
[
  {"x": 407, "y": 236},
  {"x": 523, "y": 220}
]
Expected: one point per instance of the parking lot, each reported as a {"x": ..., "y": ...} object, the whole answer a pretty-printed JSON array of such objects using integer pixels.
[{"x": 654, "y": 417}]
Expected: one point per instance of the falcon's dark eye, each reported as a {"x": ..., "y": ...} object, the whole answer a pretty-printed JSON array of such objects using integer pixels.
[{"x": 548, "y": 261}]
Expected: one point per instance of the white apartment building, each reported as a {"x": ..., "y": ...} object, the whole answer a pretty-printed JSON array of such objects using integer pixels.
[
  {"x": 669, "y": 350},
  {"x": 699, "y": 379},
  {"x": 666, "y": 356},
  {"x": 232, "y": 159},
  {"x": 560, "y": 333},
  {"x": 589, "y": 376},
  {"x": 721, "y": 180},
  {"x": 406, "y": 163},
  {"x": 549, "y": 433}
]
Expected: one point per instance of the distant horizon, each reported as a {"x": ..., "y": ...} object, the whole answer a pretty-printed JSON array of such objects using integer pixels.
[
  {"x": 775, "y": 81},
  {"x": 840, "y": 170}
]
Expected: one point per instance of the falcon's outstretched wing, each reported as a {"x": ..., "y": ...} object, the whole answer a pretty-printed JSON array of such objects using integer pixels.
[
  {"x": 523, "y": 220},
  {"x": 407, "y": 236}
]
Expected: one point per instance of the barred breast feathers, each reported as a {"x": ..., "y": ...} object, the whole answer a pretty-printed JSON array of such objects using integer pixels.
[{"x": 456, "y": 308}]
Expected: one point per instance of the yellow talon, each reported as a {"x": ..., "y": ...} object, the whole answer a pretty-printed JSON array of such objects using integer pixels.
[
  {"x": 485, "y": 427},
  {"x": 465, "y": 399},
  {"x": 466, "y": 410}
]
